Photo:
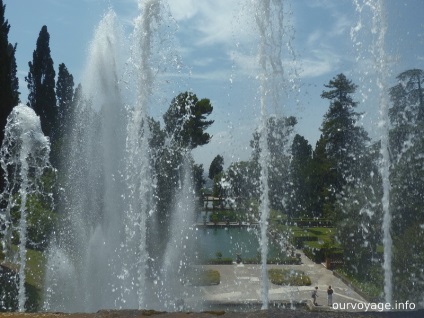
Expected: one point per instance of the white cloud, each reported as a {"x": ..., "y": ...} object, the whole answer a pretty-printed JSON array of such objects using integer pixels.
[
  {"x": 246, "y": 64},
  {"x": 184, "y": 9},
  {"x": 232, "y": 145},
  {"x": 203, "y": 61},
  {"x": 210, "y": 22},
  {"x": 319, "y": 62}
]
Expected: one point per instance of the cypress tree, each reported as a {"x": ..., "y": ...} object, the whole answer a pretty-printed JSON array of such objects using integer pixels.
[
  {"x": 64, "y": 94},
  {"x": 41, "y": 85},
  {"x": 9, "y": 95},
  {"x": 9, "y": 85},
  {"x": 343, "y": 143}
]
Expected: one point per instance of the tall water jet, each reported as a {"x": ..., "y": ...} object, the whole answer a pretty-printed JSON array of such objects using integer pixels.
[
  {"x": 379, "y": 22},
  {"x": 90, "y": 238},
  {"x": 138, "y": 169},
  {"x": 93, "y": 185},
  {"x": 269, "y": 16},
  {"x": 110, "y": 187},
  {"x": 380, "y": 65},
  {"x": 24, "y": 158},
  {"x": 179, "y": 250}
]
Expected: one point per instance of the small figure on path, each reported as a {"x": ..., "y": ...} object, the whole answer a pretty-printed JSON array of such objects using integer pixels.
[
  {"x": 330, "y": 296},
  {"x": 315, "y": 295}
]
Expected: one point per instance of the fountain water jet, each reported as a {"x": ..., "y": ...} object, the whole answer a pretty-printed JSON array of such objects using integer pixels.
[
  {"x": 24, "y": 159},
  {"x": 380, "y": 64},
  {"x": 382, "y": 76},
  {"x": 104, "y": 238},
  {"x": 269, "y": 16}
]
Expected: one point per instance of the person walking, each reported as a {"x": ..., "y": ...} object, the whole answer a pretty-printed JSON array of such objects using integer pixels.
[
  {"x": 315, "y": 295},
  {"x": 330, "y": 296}
]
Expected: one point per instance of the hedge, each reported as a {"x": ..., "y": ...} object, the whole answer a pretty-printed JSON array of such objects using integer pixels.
[{"x": 312, "y": 222}]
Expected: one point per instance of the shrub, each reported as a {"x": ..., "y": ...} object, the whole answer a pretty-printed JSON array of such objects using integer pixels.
[
  {"x": 202, "y": 277},
  {"x": 316, "y": 254},
  {"x": 219, "y": 261},
  {"x": 288, "y": 277},
  {"x": 304, "y": 222}
]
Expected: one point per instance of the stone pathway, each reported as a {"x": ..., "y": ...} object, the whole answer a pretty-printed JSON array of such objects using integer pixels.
[{"x": 241, "y": 285}]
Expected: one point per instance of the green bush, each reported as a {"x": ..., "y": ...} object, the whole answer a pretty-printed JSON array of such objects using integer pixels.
[
  {"x": 322, "y": 231},
  {"x": 288, "y": 277},
  {"x": 371, "y": 291},
  {"x": 304, "y": 222},
  {"x": 33, "y": 286},
  {"x": 218, "y": 261},
  {"x": 202, "y": 277},
  {"x": 300, "y": 237},
  {"x": 315, "y": 254}
]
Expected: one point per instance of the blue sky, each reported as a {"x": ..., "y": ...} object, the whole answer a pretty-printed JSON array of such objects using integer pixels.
[{"x": 218, "y": 46}]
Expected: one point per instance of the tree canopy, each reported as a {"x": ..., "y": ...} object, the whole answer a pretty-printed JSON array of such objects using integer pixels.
[
  {"x": 185, "y": 120},
  {"x": 41, "y": 84},
  {"x": 216, "y": 167}
]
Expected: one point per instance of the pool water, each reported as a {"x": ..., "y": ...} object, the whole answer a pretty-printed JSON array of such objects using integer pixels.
[{"x": 230, "y": 242}]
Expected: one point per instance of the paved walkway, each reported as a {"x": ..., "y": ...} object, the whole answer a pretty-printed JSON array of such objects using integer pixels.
[{"x": 241, "y": 284}]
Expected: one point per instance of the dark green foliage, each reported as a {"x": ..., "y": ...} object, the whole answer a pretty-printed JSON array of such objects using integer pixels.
[
  {"x": 9, "y": 95},
  {"x": 322, "y": 177},
  {"x": 408, "y": 97},
  {"x": 278, "y": 132},
  {"x": 9, "y": 85},
  {"x": 41, "y": 219},
  {"x": 344, "y": 141},
  {"x": 358, "y": 217},
  {"x": 407, "y": 147},
  {"x": 185, "y": 120},
  {"x": 243, "y": 176},
  {"x": 41, "y": 85},
  {"x": 218, "y": 190},
  {"x": 198, "y": 179},
  {"x": 340, "y": 151},
  {"x": 370, "y": 288},
  {"x": 299, "y": 201},
  {"x": 64, "y": 95},
  {"x": 359, "y": 208},
  {"x": 170, "y": 156},
  {"x": 219, "y": 261},
  {"x": 408, "y": 265},
  {"x": 407, "y": 184},
  {"x": 157, "y": 135},
  {"x": 216, "y": 167}
]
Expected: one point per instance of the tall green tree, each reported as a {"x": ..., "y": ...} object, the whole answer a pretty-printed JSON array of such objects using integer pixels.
[
  {"x": 343, "y": 143},
  {"x": 198, "y": 179},
  {"x": 323, "y": 176},
  {"x": 358, "y": 220},
  {"x": 300, "y": 176},
  {"x": 407, "y": 146},
  {"x": 64, "y": 95},
  {"x": 185, "y": 125},
  {"x": 185, "y": 120},
  {"x": 9, "y": 84},
  {"x": 41, "y": 85},
  {"x": 278, "y": 140},
  {"x": 242, "y": 176},
  {"x": 216, "y": 167}
]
